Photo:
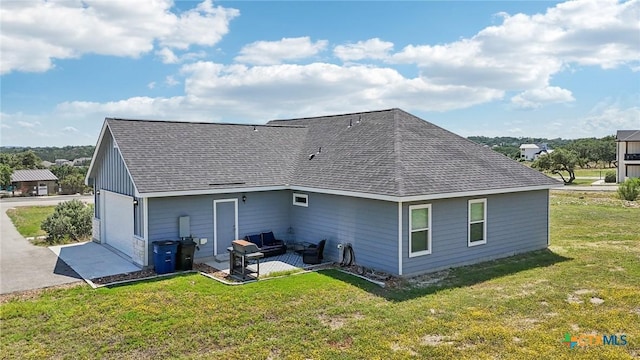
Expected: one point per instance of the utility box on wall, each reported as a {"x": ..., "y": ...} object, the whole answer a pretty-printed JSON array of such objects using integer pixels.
[{"x": 185, "y": 226}]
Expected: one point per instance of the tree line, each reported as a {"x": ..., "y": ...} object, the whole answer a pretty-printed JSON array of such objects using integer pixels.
[
  {"x": 588, "y": 151},
  {"x": 70, "y": 178},
  {"x": 50, "y": 154}
]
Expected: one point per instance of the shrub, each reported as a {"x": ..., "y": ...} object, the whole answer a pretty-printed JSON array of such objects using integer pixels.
[
  {"x": 70, "y": 219},
  {"x": 610, "y": 177},
  {"x": 629, "y": 190}
]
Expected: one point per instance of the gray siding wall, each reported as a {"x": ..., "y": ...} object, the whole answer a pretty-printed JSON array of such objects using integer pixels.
[
  {"x": 262, "y": 211},
  {"x": 111, "y": 173},
  {"x": 516, "y": 223},
  {"x": 371, "y": 226}
]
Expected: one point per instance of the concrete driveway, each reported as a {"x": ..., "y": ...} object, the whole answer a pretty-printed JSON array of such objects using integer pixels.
[{"x": 24, "y": 266}]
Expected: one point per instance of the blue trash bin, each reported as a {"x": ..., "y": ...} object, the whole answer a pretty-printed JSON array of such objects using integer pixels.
[{"x": 164, "y": 256}]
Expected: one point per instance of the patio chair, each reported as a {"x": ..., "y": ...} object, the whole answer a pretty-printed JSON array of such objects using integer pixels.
[{"x": 313, "y": 253}]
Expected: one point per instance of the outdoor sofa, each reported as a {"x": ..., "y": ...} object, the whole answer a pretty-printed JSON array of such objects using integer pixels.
[{"x": 268, "y": 244}]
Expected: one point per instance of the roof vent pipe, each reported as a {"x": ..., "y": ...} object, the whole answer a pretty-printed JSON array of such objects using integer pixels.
[
  {"x": 359, "y": 119},
  {"x": 350, "y": 123}
]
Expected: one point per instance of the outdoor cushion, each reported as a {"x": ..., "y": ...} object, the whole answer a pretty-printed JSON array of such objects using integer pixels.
[
  {"x": 268, "y": 238},
  {"x": 256, "y": 239}
]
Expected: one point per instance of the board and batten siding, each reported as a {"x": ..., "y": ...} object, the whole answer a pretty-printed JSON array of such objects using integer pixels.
[
  {"x": 111, "y": 173},
  {"x": 262, "y": 211},
  {"x": 371, "y": 226},
  {"x": 516, "y": 223}
]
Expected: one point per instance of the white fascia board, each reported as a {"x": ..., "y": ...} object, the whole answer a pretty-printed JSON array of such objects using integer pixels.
[
  {"x": 351, "y": 193},
  {"x": 135, "y": 188},
  {"x": 209, "y": 191},
  {"x": 346, "y": 193},
  {"x": 478, "y": 193},
  {"x": 426, "y": 197},
  {"x": 95, "y": 152}
]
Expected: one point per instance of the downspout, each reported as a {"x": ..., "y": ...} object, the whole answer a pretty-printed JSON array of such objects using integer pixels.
[
  {"x": 400, "y": 238},
  {"x": 548, "y": 217},
  {"x": 145, "y": 229}
]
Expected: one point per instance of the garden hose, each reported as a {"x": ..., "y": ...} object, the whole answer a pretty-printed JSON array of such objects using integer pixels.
[{"x": 348, "y": 256}]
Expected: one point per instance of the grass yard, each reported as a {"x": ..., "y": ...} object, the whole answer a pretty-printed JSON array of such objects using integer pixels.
[
  {"x": 582, "y": 182},
  {"x": 516, "y": 308},
  {"x": 599, "y": 173},
  {"x": 27, "y": 219}
]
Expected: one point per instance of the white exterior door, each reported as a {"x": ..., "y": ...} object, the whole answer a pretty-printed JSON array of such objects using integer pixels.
[
  {"x": 117, "y": 221},
  {"x": 225, "y": 224}
]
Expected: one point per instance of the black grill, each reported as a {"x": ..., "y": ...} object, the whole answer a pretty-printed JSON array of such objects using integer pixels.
[{"x": 243, "y": 253}]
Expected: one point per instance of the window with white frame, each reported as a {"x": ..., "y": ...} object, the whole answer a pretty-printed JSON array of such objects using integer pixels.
[
  {"x": 477, "y": 222},
  {"x": 301, "y": 199},
  {"x": 419, "y": 230}
]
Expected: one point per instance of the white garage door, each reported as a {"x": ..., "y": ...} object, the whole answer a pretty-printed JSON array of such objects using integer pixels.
[{"x": 117, "y": 221}]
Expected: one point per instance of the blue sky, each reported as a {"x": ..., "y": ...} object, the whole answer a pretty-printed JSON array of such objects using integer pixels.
[{"x": 499, "y": 68}]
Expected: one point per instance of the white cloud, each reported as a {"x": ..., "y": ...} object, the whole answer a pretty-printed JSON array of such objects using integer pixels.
[
  {"x": 606, "y": 118},
  {"x": 220, "y": 92},
  {"x": 523, "y": 52},
  {"x": 167, "y": 56},
  {"x": 26, "y": 124},
  {"x": 535, "y": 98},
  {"x": 276, "y": 52},
  {"x": 34, "y": 33},
  {"x": 369, "y": 49},
  {"x": 70, "y": 129},
  {"x": 171, "y": 81},
  {"x": 151, "y": 85}
]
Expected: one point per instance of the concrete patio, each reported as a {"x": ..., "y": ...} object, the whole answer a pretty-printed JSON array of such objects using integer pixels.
[
  {"x": 91, "y": 260},
  {"x": 290, "y": 261}
]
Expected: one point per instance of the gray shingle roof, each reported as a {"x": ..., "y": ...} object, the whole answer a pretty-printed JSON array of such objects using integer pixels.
[
  {"x": 628, "y": 135},
  {"x": 392, "y": 152},
  {"x": 32, "y": 175},
  {"x": 387, "y": 152},
  {"x": 179, "y": 156}
]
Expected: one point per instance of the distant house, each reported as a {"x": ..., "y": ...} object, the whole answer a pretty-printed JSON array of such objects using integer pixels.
[
  {"x": 627, "y": 154},
  {"x": 47, "y": 164},
  {"x": 528, "y": 151},
  {"x": 61, "y": 162},
  {"x": 83, "y": 161},
  {"x": 34, "y": 182},
  {"x": 409, "y": 196}
]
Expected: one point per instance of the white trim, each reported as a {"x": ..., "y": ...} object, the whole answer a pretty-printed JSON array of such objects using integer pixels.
[
  {"x": 484, "y": 222},
  {"x": 548, "y": 219},
  {"x": 302, "y": 196},
  {"x": 400, "y": 238},
  {"x": 102, "y": 217},
  {"x": 95, "y": 153},
  {"x": 347, "y": 193},
  {"x": 215, "y": 223},
  {"x": 429, "y": 229},
  {"x": 210, "y": 191},
  {"x": 115, "y": 145},
  {"x": 145, "y": 228}
]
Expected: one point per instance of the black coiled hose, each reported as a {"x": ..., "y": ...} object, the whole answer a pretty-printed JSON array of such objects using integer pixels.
[{"x": 348, "y": 256}]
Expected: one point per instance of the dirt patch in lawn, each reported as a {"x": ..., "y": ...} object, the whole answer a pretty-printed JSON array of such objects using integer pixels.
[
  {"x": 436, "y": 340},
  {"x": 35, "y": 293},
  {"x": 150, "y": 273}
]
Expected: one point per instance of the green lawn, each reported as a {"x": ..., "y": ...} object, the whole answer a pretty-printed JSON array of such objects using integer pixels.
[
  {"x": 516, "y": 308},
  {"x": 27, "y": 219},
  {"x": 582, "y": 182},
  {"x": 599, "y": 173}
]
